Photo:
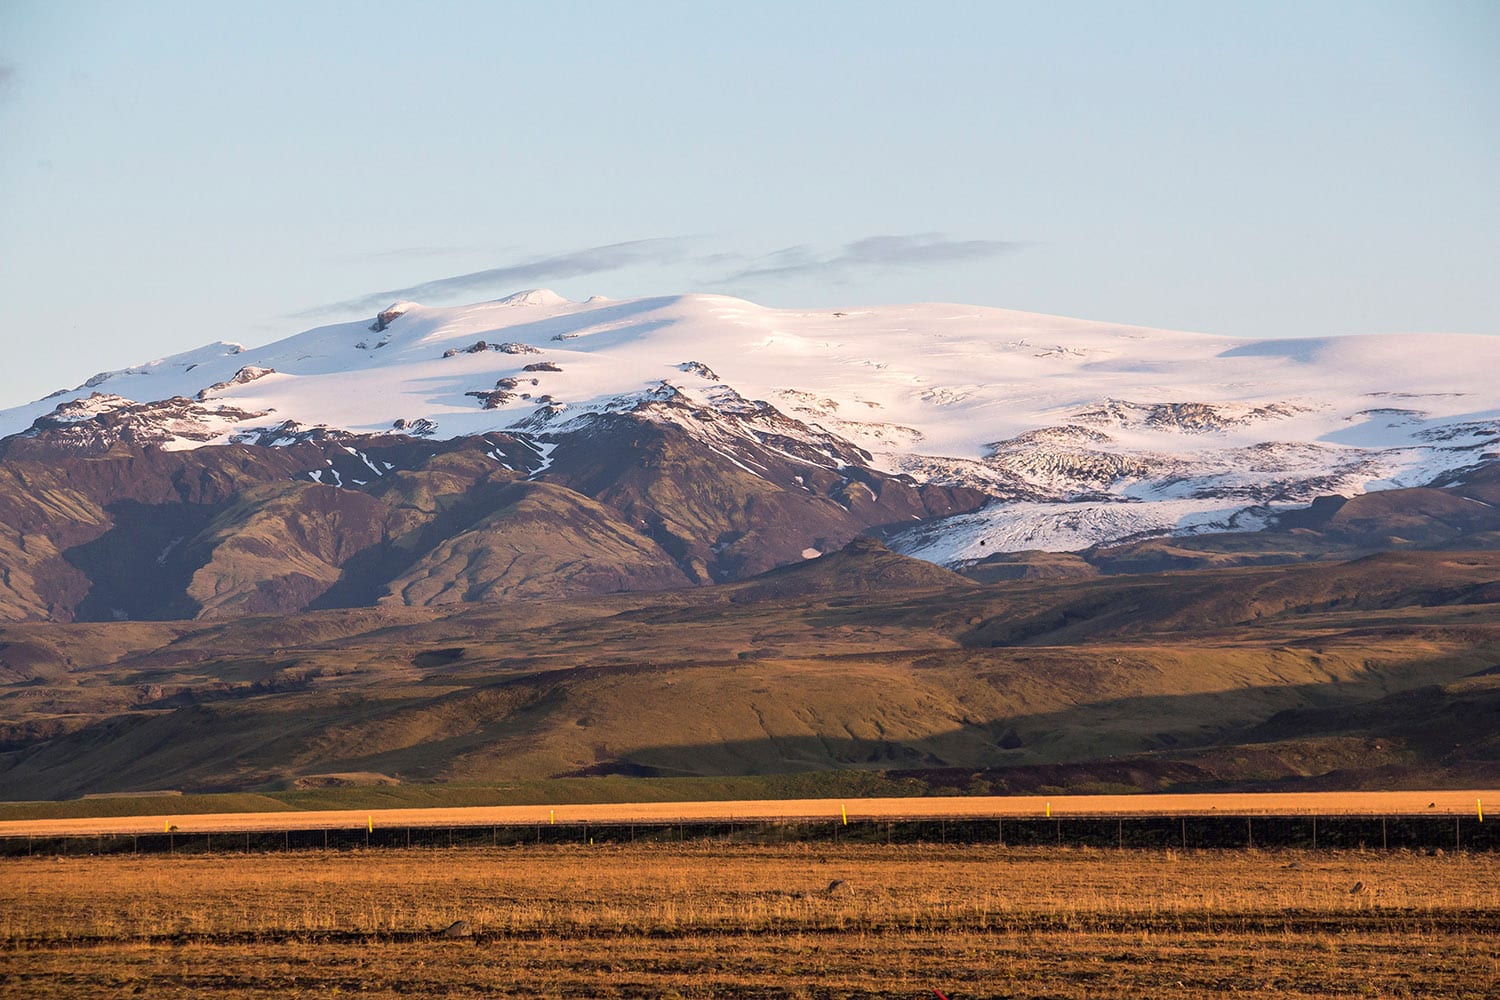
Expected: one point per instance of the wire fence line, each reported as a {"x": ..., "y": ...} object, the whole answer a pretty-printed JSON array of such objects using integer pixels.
[{"x": 1311, "y": 832}]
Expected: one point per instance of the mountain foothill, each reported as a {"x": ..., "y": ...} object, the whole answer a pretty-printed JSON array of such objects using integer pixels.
[{"x": 925, "y": 548}]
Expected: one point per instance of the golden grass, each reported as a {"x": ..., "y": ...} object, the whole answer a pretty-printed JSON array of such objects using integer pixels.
[
  {"x": 717, "y": 921},
  {"x": 1409, "y": 803}
]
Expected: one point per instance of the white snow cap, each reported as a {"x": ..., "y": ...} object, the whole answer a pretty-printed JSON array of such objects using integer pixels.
[
  {"x": 534, "y": 297},
  {"x": 1167, "y": 431}
]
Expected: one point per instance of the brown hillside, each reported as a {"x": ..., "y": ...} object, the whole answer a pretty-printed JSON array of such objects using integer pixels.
[
  {"x": 1157, "y": 681},
  {"x": 540, "y": 541}
]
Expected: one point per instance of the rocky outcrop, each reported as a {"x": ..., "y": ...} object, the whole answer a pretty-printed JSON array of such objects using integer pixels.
[
  {"x": 699, "y": 369},
  {"x": 94, "y": 425},
  {"x": 388, "y": 315},
  {"x": 1192, "y": 418},
  {"x": 249, "y": 373}
]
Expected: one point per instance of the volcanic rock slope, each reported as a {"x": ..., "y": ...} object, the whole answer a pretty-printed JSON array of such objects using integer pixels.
[{"x": 537, "y": 447}]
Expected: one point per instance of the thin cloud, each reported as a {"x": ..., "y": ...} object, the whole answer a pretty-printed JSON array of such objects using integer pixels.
[
  {"x": 434, "y": 251},
  {"x": 869, "y": 254},
  {"x": 7, "y": 78},
  {"x": 574, "y": 264}
]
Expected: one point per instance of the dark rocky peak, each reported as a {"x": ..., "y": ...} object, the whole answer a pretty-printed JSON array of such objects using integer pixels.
[{"x": 733, "y": 423}]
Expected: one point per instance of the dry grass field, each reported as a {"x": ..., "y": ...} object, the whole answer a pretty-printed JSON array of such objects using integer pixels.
[
  {"x": 1433, "y": 802},
  {"x": 739, "y": 921}
]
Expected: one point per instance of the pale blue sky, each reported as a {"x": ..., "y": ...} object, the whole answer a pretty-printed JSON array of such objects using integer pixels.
[{"x": 173, "y": 174}]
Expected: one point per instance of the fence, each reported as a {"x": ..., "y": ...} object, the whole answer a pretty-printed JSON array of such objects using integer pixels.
[{"x": 1429, "y": 833}]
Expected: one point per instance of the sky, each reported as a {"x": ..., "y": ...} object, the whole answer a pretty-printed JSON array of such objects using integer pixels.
[{"x": 173, "y": 174}]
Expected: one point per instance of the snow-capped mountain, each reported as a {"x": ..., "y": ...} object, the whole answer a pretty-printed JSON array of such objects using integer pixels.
[{"x": 1080, "y": 432}]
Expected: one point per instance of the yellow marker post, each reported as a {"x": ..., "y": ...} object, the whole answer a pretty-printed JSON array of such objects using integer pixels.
[
  {"x": 369, "y": 824},
  {"x": 1479, "y": 807},
  {"x": 845, "y": 813},
  {"x": 552, "y": 816},
  {"x": 1049, "y": 810}
]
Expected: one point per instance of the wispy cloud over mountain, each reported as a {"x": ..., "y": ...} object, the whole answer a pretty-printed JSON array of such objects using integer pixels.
[
  {"x": 572, "y": 264},
  {"x": 850, "y": 262},
  {"x": 872, "y": 253}
]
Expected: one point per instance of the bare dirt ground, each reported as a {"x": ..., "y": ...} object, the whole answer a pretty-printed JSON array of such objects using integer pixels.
[
  {"x": 1408, "y": 803},
  {"x": 804, "y": 921}
]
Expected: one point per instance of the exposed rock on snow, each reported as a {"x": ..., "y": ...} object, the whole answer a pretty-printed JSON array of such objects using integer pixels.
[
  {"x": 249, "y": 373},
  {"x": 492, "y": 399},
  {"x": 699, "y": 369},
  {"x": 98, "y": 422},
  {"x": 1194, "y": 418},
  {"x": 386, "y": 316}
]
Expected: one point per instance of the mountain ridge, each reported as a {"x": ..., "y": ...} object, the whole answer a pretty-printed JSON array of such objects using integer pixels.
[{"x": 704, "y": 439}]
